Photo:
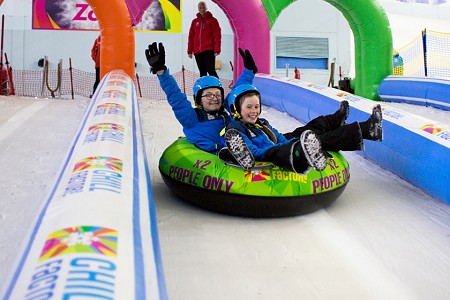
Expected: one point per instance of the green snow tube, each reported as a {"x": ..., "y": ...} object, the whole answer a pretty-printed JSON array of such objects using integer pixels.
[{"x": 203, "y": 180}]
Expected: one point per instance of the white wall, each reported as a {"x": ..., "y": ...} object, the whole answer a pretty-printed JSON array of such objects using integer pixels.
[
  {"x": 302, "y": 18},
  {"x": 315, "y": 18},
  {"x": 409, "y": 19},
  {"x": 25, "y": 46}
]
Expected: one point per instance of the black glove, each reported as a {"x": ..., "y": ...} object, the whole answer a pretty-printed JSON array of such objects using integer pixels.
[
  {"x": 156, "y": 58},
  {"x": 249, "y": 63}
]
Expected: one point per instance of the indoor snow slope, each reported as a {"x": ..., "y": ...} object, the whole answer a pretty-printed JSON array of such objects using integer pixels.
[{"x": 382, "y": 239}]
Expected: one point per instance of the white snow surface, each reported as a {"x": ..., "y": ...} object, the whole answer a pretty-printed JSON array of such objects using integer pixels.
[{"x": 381, "y": 239}]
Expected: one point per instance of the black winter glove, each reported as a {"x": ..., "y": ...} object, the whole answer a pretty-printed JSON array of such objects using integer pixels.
[
  {"x": 156, "y": 58},
  {"x": 249, "y": 63}
]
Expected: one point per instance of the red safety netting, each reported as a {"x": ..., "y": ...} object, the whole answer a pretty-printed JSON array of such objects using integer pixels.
[
  {"x": 32, "y": 83},
  {"x": 5, "y": 82}
]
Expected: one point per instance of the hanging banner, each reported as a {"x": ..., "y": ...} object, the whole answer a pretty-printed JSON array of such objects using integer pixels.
[{"x": 161, "y": 15}]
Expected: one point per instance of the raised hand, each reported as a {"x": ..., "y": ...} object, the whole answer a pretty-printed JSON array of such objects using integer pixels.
[
  {"x": 156, "y": 57},
  {"x": 249, "y": 63}
]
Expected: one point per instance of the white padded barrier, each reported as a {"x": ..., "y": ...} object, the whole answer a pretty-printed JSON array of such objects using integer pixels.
[{"x": 96, "y": 236}]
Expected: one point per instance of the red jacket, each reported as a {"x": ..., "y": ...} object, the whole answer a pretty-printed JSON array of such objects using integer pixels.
[
  {"x": 204, "y": 34},
  {"x": 95, "y": 52}
]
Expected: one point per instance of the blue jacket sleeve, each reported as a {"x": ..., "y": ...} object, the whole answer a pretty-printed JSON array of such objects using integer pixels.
[
  {"x": 181, "y": 106},
  {"x": 207, "y": 145},
  {"x": 246, "y": 77}
]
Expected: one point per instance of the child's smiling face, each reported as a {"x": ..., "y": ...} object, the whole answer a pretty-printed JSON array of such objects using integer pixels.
[{"x": 250, "y": 109}]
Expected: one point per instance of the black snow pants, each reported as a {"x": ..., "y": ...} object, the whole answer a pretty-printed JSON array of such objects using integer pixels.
[{"x": 332, "y": 136}]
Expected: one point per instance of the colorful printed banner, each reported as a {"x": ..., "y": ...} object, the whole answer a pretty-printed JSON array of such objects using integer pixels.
[
  {"x": 96, "y": 236},
  {"x": 162, "y": 15},
  {"x": 432, "y": 2}
]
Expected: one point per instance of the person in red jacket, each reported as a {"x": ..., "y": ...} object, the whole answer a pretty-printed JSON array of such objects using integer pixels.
[
  {"x": 95, "y": 54},
  {"x": 204, "y": 41}
]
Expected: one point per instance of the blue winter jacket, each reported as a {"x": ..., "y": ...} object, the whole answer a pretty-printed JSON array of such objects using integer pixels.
[
  {"x": 200, "y": 127},
  {"x": 256, "y": 139}
]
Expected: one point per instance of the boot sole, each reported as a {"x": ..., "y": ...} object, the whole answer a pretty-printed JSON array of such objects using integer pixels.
[
  {"x": 377, "y": 127},
  {"x": 312, "y": 148},
  {"x": 238, "y": 149},
  {"x": 344, "y": 110}
]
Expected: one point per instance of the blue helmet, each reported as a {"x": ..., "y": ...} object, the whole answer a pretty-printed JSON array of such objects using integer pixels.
[
  {"x": 235, "y": 95},
  {"x": 206, "y": 82}
]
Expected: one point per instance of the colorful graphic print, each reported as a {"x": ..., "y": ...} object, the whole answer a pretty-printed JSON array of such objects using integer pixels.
[
  {"x": 111, "y": 109},
  {"x": 78, "y": 15},
  {"x": 258, "y": 175},
  {"x": 115, "y": 94},
  {"x": 431, "y": 2},
  {"x": 98, "y": 162},
  {"x": 342, "y": 94},
  {"x": 107, "y": 126},
  {"x": 118, "y": 83},
  {"x": 109, "y": 132},
  {"x": 118, "y": 76},
  {"x": 430, "y": 128},
  {"x": 80, "y": 239}
]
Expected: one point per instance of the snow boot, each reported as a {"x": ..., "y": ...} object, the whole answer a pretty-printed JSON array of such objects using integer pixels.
[
  {"x": 239, "y": 149},
  {"x": 345, "y": 138},
  {"x": 225, "y": 155},
  {"x": 372, "y": 129},
  {"x": 299, "y": 155},
  {"x": 312, "y": 149},
  {"x": 342, "y": 113},
  {"x": 287, "y": 157}
]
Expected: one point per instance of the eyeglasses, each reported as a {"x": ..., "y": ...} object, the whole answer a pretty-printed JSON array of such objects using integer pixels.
[{"x": 212, "y": 96}]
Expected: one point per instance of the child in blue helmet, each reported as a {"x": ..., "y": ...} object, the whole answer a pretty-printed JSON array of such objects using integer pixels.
[
  {"x": 250, "y": 137},
  {"x": 201, "y": 125}
]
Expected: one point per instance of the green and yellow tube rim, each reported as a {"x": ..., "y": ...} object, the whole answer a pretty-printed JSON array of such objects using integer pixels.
[{"x": 202, "y": 179}]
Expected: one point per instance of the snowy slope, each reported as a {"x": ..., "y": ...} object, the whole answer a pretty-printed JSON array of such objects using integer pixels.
[{"x": 382, "y": 239}]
